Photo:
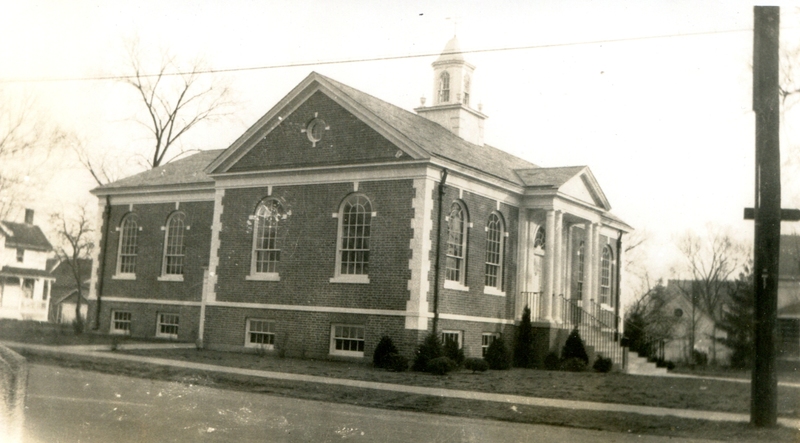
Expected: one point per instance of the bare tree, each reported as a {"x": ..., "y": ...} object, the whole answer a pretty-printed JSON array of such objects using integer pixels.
[
  {"x": 647, "y": 320},
  {"x": 176, "y": 96},
  {"x": 25, "y": 141},
  {"x": 75, "y": 245},
  {"x": 711, "y": 262}
]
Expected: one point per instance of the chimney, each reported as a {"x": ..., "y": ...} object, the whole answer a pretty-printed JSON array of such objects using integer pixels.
[{"x": 29, "y": 216}]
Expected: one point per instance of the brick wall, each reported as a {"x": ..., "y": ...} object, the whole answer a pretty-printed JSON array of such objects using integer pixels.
[
  {"x": 475, "y": 302},
  {"x": 150, "y": 250},
  {"x": 348, "y": 140},
  {"x": 144, "y": 318},
  {"x": 307, "y": 239}
]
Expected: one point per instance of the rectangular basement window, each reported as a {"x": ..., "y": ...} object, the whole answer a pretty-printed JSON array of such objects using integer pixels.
[{"x": 347, "y": 340}]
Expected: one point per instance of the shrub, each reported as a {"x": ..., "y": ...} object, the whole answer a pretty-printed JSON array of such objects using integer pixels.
[
  {"x": 396, "y": 363},
  {"x": 429, "y": 349},
  {"x": 385, "y": 348},
  {"x": 497, "y": 355},
  {"x": 77, "y": 325},
  {"x": 440, "y": 366},
  {"x": 523, "y": 346},
  {"x": 670, "y": 365},
  {"x": 453, "y": 352},
  {"x": 552, "y": 362},
  {"x": 699, "y": 357},
  {"x": 573, "y": 365},
  {"x": 602, "y": 364},
  {"x": 573, "y": 348},
  {"x": 476, "y": 364}
]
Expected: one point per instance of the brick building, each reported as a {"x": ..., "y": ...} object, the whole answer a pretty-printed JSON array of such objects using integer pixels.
[{"x": 318, "y": 231}]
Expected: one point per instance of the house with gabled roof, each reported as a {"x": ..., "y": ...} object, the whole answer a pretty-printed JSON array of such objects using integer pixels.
[
  {"x": 25, "y": 282},
  {"x": 338, "y": 218}
]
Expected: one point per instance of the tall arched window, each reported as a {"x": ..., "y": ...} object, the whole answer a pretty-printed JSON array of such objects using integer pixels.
[
  {"x": 173, "y": 245},
  {"x": 466, "y": 90},
  {"x": 355, "y": 218},
  {"x": 605, "y": 276},
  {"x": 126, "y": 257},
  {"x": 266, "y": 251},
  {"x": 495, "y": 234},
  {"x": 579, "y": 277},
  {"x": 444, "y": 87},
  {"x": 456, "y": 244},
  {"x": 539, "y": 238}
]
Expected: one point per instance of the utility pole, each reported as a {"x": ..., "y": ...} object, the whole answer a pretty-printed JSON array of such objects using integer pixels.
[{"x": 767, "y": 215}]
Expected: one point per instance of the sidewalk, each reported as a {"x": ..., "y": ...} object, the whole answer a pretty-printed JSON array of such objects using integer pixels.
[{"x": 97, "y": 352}]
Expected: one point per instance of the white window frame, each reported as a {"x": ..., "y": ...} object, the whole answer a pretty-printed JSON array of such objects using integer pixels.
[
  {"x": 348, "y": 328},
  {"x": 268, "y": 333},
  {"x": 176, "y": 250},
  {"x": 606, "y": 258},
  {"x": 460, "y": 267},
  {"x": 459, "y": 335},
  {"x": 486, "y": 340},
  {"x": 20, "y": 255},
  {"x": 266, "y": 220},
  {"x": 114, "y": 329},
  {"x": 444, "y": 87},
  {"x": 581, "y": 259},
  {"x": 160, "y": 321},
  {"x": 357, "y": 247},
  {"x": 495, "y": 238},
  {"x": 128, "y": 226}
]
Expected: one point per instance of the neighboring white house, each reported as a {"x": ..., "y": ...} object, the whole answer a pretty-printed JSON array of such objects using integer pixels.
[
  {"x": 25, "y": 283},
  {"x": 64, "y": 292}
]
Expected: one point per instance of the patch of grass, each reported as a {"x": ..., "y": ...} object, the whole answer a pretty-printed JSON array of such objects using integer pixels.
[{"x": 606, "y": 421}]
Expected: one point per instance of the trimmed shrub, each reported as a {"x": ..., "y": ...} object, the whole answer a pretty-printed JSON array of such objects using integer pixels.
[
  {"x": 430, "y": 349},
  {"x": 453, "y": 352},
  {"x": 602, "y": 364},
  {"x": 440, "y": 366},
  {"x": 497, "y": 355},
  {"x": 523, "y": 346},
  {"x": 552, "y": 362},
  {"x": 476, "y": 364},
  {"x": 396, "y": 363},
  {"x": 574, "y": 365},
  {"x": 385, "y": 348},
  {"x": 574, "y": 348},
  {"x": 699, "y": 358}
]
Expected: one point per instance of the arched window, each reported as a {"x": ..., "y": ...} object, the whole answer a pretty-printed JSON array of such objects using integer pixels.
[
  {"x": 266, "y": 251},
  {"x": 495, "y": 234},
  {"x": 466, "y": 90},
  {"x": 444, "y": 87},
  {"x": 355, "y": 218},
  {"x": 540, "y": 238},
  {"x": 126, "y": 257},
  {"x": 456, "y": 244},
  {"x": 579, "y": 277},
  {"x": 605, "y": 275},
  {"x": 173, "y": 245}
]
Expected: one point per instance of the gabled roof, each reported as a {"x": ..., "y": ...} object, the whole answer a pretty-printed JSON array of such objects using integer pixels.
[
  {"x": 576, "y": 181},
  {"x": 421, "y": 138},
  {"x": 188, "y": 170},
  {"x": 63, "y": 273},
  {"x": 548, "y": 177},
  {"x": 21, "y": 235},
  {"x": 10, "y": 271}
]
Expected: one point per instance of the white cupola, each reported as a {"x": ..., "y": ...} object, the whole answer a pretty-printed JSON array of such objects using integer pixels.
[{"x": 452, "y": 95}]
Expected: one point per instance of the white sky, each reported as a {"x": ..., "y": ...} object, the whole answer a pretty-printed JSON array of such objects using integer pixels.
[{"x": 665, "y": 124}]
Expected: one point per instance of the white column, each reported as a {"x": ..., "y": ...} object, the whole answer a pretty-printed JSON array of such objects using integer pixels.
[
  {"x": 523, "y": 265},
  {"x": 549, "y": 259},
  {"x": 558, "y": 280},
  {"x": 596, "y": 263},
  {"x": 588, "y": 269}
]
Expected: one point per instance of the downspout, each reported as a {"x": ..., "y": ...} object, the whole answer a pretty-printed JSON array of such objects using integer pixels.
[
  {"x": 619, "y": 284},
  {"x": 438, "y": 253},
  {"x": 102, "y": 258}
]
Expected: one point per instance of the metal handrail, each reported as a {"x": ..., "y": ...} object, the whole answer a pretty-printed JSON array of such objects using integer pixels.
[{"x": 594, "y": 331}]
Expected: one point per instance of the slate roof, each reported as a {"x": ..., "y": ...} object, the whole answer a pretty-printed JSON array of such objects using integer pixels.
[
  {"x": 25, "y": 236},
  {"x": 436, "y": 139},
  {"x": 188, "y": 170},
  {"x": 789, "y": 264},
  {"x": 548, "y": 177}
]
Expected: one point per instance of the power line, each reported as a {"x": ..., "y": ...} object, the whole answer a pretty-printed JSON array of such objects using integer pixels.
[{"x": 369, "y": 59}]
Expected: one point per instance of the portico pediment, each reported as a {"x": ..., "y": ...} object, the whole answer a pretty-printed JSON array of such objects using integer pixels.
[{"x": 575, "y": 183}]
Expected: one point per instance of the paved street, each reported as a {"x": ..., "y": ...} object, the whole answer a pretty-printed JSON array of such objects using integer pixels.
[{"x": 68, "y": 405}]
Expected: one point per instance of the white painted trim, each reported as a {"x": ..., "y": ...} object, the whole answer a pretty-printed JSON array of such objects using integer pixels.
[
  {"x": 213, "y": 260},
  {"x": 332, "y": 348},
  {"x": 475, "y": 319},
  {"x": 170, "y": 277},
  {"x": 488, "y": 290},
  {"x": 359, "y": 279},
  {"x": 267, "y": 276},
  {"x": 123, "y": 277},
  {"x": 454, "y": 285},
  {"x": 247, "y": 344},
  {"x": 161, "y": 195},
  {"x": 420, "y": 263},
  {"x": 151, "y": 301},
  {"x": 300, "y": 308}
]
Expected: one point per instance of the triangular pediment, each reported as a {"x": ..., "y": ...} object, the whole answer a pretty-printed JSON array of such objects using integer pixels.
[
  {"x": 315, "y": 125},
  {"x": 575, "y": 182}
]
